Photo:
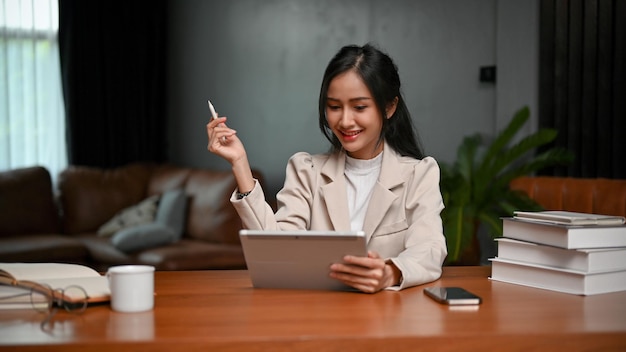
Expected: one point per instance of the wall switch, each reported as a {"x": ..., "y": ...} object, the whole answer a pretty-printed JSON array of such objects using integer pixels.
[{"x": 488, "y": 74}]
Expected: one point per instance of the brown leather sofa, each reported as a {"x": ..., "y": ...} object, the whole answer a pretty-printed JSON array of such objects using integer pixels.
[
  {"x": 585, "y": 195},
  {"x": 41, "y": 223}
]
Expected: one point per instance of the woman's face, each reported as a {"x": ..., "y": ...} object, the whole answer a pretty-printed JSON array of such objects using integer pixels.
[{"x": 353, "y": 116}]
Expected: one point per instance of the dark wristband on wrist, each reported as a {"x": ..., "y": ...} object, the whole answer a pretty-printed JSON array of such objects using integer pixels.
[{"x": 242, "y": 195}]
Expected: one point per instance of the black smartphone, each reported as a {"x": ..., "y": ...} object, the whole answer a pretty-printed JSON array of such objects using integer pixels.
[{"x": 452, "y": 295}]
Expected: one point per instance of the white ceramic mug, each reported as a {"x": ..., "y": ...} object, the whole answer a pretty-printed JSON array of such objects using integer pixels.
[{"x": 132, "y": 287}]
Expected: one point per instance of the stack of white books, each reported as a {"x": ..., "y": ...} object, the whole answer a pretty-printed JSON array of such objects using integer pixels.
[{"x": 576, "y": 253}]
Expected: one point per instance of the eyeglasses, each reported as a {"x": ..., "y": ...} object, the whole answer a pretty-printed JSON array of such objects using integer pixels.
[{"x": 45, "y": 299}]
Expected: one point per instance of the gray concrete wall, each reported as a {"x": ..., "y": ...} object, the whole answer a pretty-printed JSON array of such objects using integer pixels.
[{"x": 261, "y": 64}]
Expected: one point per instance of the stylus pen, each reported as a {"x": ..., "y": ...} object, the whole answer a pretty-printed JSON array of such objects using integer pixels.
[{"x": 213, "y": 113}]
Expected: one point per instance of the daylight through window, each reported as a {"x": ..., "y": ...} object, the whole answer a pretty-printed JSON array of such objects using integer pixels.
[{"x": 32, "y": 114}]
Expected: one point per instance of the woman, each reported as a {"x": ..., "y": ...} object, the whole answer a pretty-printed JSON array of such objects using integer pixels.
[{"x": 375, "y": 177}]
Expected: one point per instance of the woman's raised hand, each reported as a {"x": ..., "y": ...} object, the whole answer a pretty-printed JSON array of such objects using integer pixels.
[{"x": 223, "y": 141}]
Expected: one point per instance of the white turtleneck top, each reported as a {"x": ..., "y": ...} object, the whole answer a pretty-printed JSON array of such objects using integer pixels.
[{"x": 361, "y": 176}]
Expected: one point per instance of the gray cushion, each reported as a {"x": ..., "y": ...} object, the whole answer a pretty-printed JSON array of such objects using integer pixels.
[
  {"x": 168, "y": 225},
  {"x": 143, "y": 236},
  {"x": 141, "y": 213},
  {"x": 172, "y": 211}
]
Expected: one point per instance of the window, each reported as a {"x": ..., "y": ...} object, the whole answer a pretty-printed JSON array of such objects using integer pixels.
[{"x": 32, "y": 114}]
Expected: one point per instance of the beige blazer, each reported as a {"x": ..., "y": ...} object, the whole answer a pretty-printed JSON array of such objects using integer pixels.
[{"x": 402, "y": 222}]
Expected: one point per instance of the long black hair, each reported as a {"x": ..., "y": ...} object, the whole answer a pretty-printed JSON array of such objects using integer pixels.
[{"x": 380, "y": 75}]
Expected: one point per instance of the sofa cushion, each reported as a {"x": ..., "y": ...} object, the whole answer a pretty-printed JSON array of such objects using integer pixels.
[
  {"x": 211, "y": 217},
  {"x": 166, "y": 177},
  {"x": 142, "y": 213},
  {"x": 44, "y": 247},
  {"x": 92, "y": 196},
  {"x": 172, "y": 210},
  {"x": 167, "y": 227},
  {"x": 27, "y": 203},
  {"x": 144, "y": 236},
  {"x": 186, "y": 254}
]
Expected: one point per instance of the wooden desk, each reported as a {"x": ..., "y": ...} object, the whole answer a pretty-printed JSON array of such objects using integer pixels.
[{"x": 219, "y": 310}]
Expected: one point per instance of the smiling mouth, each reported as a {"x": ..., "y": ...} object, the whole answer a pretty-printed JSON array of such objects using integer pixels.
[{"x": 350, "y": 134}]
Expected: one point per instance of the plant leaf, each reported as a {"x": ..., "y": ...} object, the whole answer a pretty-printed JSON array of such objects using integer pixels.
[
  {"x": 551, "y": 157},
  {"x": 476, "y": 188},
  {"x": 457, "y": 230},
  {"x": 523, "y": 147},
  {"x": 466, "y": 154},
  {"x": 492, "y": 221},
  {"x": 503, "y": 139}
]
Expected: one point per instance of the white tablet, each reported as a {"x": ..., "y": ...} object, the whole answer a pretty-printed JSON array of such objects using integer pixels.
[{"x": 298, "y": 259}]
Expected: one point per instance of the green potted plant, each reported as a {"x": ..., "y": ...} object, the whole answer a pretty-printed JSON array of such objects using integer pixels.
[{"x": 476, "y": 190}]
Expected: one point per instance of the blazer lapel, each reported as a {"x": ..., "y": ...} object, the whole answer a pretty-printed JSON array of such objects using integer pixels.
[
  {"x": 334, "y": 192},
  {"x": 382, "y": 194}
]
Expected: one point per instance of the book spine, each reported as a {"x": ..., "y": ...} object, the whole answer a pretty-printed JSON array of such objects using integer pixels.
[
  {"x": 545, "y": 255},
  {"x": 536, "y": 277},
  {"x": 535, "y": 233},
  {"x": 561, "y": 280},
  {"x": 570, "y": 237}
]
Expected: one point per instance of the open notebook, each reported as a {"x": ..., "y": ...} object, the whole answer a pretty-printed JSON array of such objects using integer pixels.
[
  {"x": 24, "y": 277},
  {"x": 298, "y": 259}
]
